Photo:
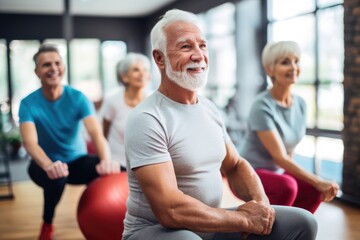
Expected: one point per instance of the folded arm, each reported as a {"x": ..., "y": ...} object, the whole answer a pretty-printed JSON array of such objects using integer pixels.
[
  {"x": 174, "y": 209},
  {"x": 274, "y": 145}
]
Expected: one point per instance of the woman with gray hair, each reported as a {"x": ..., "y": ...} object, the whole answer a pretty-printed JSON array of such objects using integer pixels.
[
  {"x": 277, "y": 123},
  {"x": 133, "y": 72}
]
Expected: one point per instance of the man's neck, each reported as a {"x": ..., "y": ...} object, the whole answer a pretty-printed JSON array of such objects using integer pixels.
[
  {"x": 53, "y": 93},
  {"x": 177, "y": 93}
]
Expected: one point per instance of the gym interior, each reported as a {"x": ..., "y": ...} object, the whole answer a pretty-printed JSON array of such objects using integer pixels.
[{"x": 93, "y": 38}]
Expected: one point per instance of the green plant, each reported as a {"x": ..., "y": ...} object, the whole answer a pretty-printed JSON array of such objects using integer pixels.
[{"x": 11, "y": 141}]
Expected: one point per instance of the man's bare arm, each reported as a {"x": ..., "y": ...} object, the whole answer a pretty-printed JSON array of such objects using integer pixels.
[
  {"x": 242, "y": 178},
  {"x": 174, "y": 209}
]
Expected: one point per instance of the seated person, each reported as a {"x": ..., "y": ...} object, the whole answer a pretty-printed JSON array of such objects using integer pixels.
[
  {"x": 176, "y": 147},
  {"x": 277, "y": 123},
  {"x": 133, "y": 73},
  {"x": 51, "y": 124}
]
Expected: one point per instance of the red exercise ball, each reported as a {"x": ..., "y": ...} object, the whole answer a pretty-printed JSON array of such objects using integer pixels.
[{"x": 102, "y": 207}]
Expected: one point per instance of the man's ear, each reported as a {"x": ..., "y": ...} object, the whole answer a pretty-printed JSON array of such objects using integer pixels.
[
  {"x": 36, "y": 72},
  {"x": 159, "y": 58}
]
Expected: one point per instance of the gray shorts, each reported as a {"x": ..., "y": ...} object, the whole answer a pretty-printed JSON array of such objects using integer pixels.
[{"x": 291, "y": 223}]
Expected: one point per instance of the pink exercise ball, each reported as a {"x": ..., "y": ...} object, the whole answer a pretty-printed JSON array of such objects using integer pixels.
[{"x": 102, "y": 207}]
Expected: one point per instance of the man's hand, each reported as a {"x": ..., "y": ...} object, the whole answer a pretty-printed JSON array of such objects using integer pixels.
[
  {"x": 260, "y": 217},
  {"x": 107, "y": 167},
  {"x": 57, "y": 170}
]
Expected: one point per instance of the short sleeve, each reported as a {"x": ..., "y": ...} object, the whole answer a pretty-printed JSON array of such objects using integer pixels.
[
  {"x": 24, "y": 113},
  {"x": 261, "y": 117},
  {"x": 145, "y": 141},
  {"x": 86, "y": 107}
]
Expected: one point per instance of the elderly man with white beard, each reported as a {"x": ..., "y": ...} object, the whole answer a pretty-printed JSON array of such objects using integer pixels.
[{"x": 177, "y": 150}]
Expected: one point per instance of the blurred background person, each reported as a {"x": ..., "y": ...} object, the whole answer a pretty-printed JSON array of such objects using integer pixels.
[
  {"x": 133, "y": 73},
  {"x": 52, "y": 119},
  {"x": 277, "y": 123}
]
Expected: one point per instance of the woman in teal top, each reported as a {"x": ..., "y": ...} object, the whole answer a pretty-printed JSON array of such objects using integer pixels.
[{"x": 277, "y": 123}]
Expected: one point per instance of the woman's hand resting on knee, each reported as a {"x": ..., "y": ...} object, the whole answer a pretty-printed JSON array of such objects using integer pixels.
[
  {"x": 107, "y": 167},
  {"x": 328, "y": 189}
]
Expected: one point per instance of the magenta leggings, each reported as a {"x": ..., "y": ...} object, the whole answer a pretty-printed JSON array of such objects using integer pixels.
[{"x": 285, "y": 189}]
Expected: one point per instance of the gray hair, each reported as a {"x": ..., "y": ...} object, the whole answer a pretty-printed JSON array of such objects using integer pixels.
[
  {"x": 276, "y": 50},
  {"x": 46, "y": 47},
  {"x": 158, "y": 36},
  {"x": 125, "y": 64}
]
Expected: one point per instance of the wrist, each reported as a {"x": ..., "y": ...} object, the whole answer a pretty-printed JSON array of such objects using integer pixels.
[
  {"x": 105, "y": 160},
  {"x": 47, "y": 166},
  {"x": 317, "y": 180}
]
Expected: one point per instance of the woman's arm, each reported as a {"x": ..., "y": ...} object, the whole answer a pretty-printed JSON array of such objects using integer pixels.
[{"x": 274, "y": 145}]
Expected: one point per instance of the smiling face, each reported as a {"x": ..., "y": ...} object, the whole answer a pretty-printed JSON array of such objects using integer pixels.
[
  {"x": 137, "y": 76},
  {"x": 49, "y": 69},
  {"x": 186, "y": 61},
  {"x": 286, "y": 70}
]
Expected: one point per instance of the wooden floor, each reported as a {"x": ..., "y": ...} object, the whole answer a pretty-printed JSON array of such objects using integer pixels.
[{"x": 20, "y": 218}]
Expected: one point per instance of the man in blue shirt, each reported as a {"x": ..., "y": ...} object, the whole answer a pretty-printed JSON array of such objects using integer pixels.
[{"x": 52, "y": 119}]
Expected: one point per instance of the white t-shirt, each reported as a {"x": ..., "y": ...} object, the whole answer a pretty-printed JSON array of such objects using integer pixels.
[
  {"x": 193, "y": 137},
  {"x": 116, "y": 111}
]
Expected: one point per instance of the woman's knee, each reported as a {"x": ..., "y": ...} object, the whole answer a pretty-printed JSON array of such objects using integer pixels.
[
  {"x": 289, "y": 186},
  {"x": 281, "y": 189}
]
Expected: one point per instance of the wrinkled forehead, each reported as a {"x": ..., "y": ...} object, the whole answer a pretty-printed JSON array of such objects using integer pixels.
[
  {"x": 181, "y": 31},
  {"x": 50, "y": 56}
]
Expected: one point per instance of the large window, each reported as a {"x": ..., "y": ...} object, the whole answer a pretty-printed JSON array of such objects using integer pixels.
[
  {"x": 318, "y": 28},
  {"x": 219, "y": 28},
  {"x": 112, "y": 52},
  {"x": 331, "y": 61},
  {"x": 84, "y": 67},
  {"x": 3, "y": 72},
  {"x": 24, "y": 80}
]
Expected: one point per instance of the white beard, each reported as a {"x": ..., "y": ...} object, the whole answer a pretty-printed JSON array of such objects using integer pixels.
[{"x": 186, "y": 80}]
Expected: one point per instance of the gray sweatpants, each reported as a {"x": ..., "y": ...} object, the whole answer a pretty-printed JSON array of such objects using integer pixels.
[{"x": 290, "y": 224}]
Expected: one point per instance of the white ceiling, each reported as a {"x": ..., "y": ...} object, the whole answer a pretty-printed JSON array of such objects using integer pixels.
[{"x": 113, "y": 8}]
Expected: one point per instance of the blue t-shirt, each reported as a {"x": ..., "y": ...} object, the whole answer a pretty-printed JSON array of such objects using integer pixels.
[
  {"x": 58, "y": 123},
  {"x": 266, "y": 114}
]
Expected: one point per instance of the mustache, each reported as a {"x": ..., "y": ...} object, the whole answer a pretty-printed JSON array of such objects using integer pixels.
[{"x": 201, "y": 64}]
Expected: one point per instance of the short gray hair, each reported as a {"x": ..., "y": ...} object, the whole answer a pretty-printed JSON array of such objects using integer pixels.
[
  {"x": 46, "y": 47},
  {"x": 276, "y": 50},
  {"x": 124, "y": 65},
  {"x": 158, "y": 36}
]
